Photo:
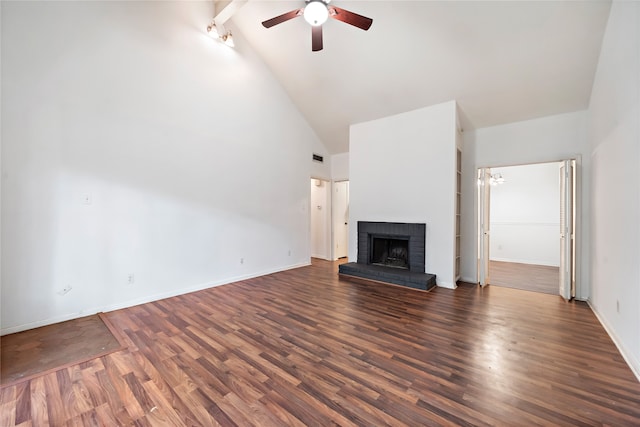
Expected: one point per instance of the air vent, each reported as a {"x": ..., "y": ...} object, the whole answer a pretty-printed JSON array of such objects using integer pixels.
[{"x": 318, "y": 158}]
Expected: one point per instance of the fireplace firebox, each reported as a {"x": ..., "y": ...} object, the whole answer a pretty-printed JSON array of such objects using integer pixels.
[{"x": 390, "y": 252}]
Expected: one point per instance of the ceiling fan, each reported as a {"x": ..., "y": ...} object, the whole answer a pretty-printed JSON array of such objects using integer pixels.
[{"x": 316, "y": 12}]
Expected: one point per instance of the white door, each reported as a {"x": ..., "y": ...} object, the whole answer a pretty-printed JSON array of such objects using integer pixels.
[
  {"x": 484, "y": 194},
  {"x": 341, "y": 219},
  {"x": 320, "y": 219},
  {"x": 567, "y": 229}
]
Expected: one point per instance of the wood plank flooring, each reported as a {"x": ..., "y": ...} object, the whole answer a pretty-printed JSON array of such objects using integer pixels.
[
  {"x": 528, "y": 277},
  {"x": 302, "y": 348}
]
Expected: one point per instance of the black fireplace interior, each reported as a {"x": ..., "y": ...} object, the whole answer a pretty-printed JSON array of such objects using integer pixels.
[{"x": 390, "y": 252}]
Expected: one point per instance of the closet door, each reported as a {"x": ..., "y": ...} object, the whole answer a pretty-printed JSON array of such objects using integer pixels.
[{"x": 341, "y": 219}]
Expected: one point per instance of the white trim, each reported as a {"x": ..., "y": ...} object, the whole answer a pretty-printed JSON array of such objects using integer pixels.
[
  {"x": 634, "y": 364},
  {"x": 509, "y": 163},
  {"x": 144, "y": 300}
]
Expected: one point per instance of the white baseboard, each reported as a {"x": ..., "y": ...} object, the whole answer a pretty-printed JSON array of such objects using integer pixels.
[
  {"x": 634, "y": 364},
  {"x": 446, "y": 285},
  {"x": 144, "y": 300}
]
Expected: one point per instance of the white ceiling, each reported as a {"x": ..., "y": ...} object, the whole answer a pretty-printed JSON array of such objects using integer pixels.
[{"x": 502, "y": 61}]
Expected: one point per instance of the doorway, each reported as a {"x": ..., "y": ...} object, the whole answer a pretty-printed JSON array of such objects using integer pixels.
[{"x": 523, "y": 211}]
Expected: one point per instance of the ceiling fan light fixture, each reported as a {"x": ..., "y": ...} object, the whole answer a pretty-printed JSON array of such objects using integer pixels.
[{"x": 316, "y": 12}]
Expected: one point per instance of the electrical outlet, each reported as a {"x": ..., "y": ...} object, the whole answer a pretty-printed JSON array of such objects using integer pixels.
[
  {"x": 131, "y": 278},
  {"x": 86, "y": 199},
  {"x": 289, "y": 252},
  {"x": 618, "y": 306},
  {"x": 241, "y": 260}
]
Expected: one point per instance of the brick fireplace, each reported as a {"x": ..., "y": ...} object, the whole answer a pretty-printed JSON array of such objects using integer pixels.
[
  {"x": 414, "y": 234},
  {"x": 391, "y": 252}
]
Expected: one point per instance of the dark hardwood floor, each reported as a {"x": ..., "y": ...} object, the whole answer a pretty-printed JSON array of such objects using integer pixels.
[
  {"x": 528, "y": 277},
  {"x": 302, "y": 348}
]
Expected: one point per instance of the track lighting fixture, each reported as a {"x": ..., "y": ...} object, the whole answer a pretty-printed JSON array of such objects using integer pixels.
[
  {"x": 213, "y": 30},
  {"x": 228, "y": 39},
  {"x": 218, "y": 33}
]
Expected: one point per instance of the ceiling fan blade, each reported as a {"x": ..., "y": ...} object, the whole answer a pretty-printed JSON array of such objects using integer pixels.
[
  {"x": 316, "y": 38},
  {"x": 282, "y": 18},
  {"x": 351, "y": 18}
]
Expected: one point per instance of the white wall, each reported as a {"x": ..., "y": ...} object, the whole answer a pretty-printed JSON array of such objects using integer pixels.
[
  {"x": 320, "y": 219},
  {"x": 614, "y": 135},
  {"x": 402, "y": 169},
  {"x": 525, "y": 215},
  {"x": 340, "y": 167},
  {"x": 546, "y": 139},
  {"x": 134, "y": 143}
]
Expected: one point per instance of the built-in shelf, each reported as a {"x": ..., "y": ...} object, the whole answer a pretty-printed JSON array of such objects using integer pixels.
[{"x": 458, "y": 201}]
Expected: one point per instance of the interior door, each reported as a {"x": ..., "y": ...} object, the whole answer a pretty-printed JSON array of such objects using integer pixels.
[
  {"x": 567, "y": 229},
  {"x": 484, "y": 194},
  {"x": 341, "y": 219},
  {"x": 320, "y": 220}
]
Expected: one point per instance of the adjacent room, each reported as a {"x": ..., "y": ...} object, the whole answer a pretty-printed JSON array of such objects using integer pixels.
[
  {"x": 525, "y": 227},
  {"x": 267, "y": 213}
]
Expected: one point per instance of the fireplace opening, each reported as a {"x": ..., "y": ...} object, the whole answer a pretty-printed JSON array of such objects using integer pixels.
[{"x": 390, "y": 252}]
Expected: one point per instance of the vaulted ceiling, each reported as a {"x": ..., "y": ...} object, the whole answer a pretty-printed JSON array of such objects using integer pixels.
[{"x": 501, "y": 61}]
